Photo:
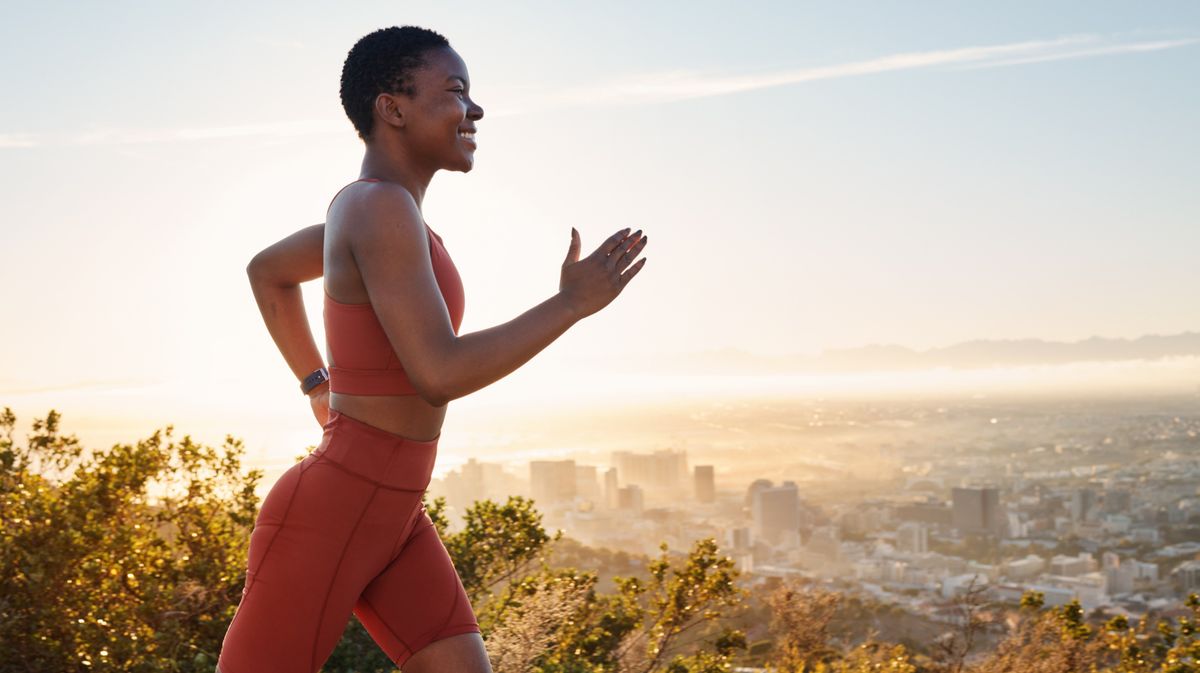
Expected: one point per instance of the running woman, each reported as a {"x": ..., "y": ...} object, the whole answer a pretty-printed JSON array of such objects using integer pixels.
[{"x": 344, "y": 530}]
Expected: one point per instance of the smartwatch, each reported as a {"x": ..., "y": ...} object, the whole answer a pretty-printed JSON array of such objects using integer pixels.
[{"x": 314, "y": 379}]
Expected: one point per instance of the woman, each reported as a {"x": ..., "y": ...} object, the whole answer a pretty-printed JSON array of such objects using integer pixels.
[{"x": 344, "y": 529}]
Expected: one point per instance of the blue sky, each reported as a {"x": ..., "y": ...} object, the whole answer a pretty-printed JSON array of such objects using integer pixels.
[{"x": 811, "y": 175}]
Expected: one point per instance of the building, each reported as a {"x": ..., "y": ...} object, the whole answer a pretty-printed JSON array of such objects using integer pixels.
[
  {"x": 925, "y": 512},
  {"x": 977, "y": 510},
  {"x": 661, "y": 472},
  {"x": 1072, "y": 566},
  {"x": 611, "y": 490},
  {"x": 1083, "y": 503},
  {"x": 704, "y": 484},
  {"x": 1024, "y": 569},
  {"x": 630, "y": 498},
  {"x": 912, "y": 537},
  {"x": 586, "y": 483},
  {"x": 776, "y": 512},
  {"x": 1090, "y": 589},
  {"x": 552, "y": 481},
  {"x": 1185, "y": 578},
  {"x": 739, "y": 537}
]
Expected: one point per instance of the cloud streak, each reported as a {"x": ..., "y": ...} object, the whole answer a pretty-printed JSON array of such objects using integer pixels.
[
  {"x": 665, "y": 87},
  {"x": 651, "y": 89}
]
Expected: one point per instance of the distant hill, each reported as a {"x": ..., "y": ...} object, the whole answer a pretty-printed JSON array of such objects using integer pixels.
[{"x": 968, "y": 355}]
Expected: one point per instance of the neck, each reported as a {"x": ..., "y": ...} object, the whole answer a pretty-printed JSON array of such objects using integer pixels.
[{"x": 393, "y": 165}]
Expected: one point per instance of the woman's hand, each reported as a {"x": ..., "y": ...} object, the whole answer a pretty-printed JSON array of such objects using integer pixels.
[
  {"x": 319, "y": 399},
  {"x": 591, "y": 283}
]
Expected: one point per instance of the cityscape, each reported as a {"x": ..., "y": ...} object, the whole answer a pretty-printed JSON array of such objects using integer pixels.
[{"x": 911, "y": 504}]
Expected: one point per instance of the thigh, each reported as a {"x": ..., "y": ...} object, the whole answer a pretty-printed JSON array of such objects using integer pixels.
[
  {"x": 296, "y": 572},
  {"x": 418, "y": 599}
]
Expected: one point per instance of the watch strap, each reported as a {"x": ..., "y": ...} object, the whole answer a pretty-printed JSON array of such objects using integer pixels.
[{"x": 314, "y": 379}]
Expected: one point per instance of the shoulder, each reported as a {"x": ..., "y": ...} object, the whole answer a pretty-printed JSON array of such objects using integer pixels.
[{"x": 384, "y": 213}]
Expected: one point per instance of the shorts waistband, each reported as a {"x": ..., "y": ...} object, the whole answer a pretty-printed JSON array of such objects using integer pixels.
[{"x": 375, "y": 455}]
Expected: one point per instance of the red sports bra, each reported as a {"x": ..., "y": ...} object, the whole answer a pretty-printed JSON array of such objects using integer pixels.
[{"x": 354, "y": 339}]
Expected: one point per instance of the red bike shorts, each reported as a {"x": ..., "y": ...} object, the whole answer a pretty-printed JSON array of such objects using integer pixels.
[{"x": 345, "y": 530}]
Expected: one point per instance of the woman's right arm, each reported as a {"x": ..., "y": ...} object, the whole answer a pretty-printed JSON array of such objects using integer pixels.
[{"x": 390, "y": 247}]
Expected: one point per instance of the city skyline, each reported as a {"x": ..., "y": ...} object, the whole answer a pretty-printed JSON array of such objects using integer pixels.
[{"x": 814, "y": 179}]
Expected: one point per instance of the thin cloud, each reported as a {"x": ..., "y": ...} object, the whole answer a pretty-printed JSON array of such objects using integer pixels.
[
  {"x": 16, "y": 140},
  {"x": 1087, "y": 53},
  {"x": 652, "y": 88},
  {"x": 672, "y": 86}
]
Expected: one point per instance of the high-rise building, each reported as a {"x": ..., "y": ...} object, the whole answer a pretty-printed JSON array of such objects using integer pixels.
[
  {"x": 705, "y": 485},
  {"x": 586, "y": 484},
  {"x": 754, "y": 487},
  {"x": 552, "y": 481},
  {"x": 611, "y": 490},
  {"x": 662, "y": 472},
  {"x": 977, "y": 510},
  {"x": 912, "y": 537},
  {"x": 776, "y": 510},
  {"x": 1083, "y": 503}
]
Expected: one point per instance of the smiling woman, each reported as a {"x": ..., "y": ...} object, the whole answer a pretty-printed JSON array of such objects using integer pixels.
[{"x": 345, "y": 530}]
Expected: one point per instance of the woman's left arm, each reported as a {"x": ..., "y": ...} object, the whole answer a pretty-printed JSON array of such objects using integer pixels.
[{"x": 275, "y": 276}]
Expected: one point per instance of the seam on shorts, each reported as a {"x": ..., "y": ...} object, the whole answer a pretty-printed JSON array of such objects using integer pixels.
[
  {"x": 333, "y": 578},
  {"x": 373, "y": 482},
  {"x": 271, "y": 543},
  {"x": 337, "y": 568},
  {"x": 449, "y": 614},
  {"x": 387, "y": 625},
  {"x": 403, "y": 537}
]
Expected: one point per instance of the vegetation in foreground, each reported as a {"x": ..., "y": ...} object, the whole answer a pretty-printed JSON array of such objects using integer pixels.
[{"x": 133, "y": 559}]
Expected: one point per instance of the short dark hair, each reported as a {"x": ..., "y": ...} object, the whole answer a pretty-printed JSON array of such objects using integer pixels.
[{"x": 383, "y": 62}]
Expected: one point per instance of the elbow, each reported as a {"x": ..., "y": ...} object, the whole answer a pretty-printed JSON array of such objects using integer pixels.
[
  {"x": 439, "y": 400},
  {"x": 263, "y": 273},
  {"x": 435, "y": 393},
  {"x": 434, "y": 385},
  {"x": 256, "y": 270}
]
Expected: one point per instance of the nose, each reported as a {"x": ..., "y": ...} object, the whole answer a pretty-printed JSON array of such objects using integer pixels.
[{"x": 474, "y": 112}]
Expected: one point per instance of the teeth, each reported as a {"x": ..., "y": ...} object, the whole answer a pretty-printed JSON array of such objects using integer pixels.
[{"x": 467, "y": 134}]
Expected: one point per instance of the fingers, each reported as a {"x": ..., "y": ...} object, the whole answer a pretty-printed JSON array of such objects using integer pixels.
[
  {"x": 633, "y": 271},
  {"x": 630, "y": 254},
  {"x": 611, "y": 244},
  {"x": 573, "y": 248}
]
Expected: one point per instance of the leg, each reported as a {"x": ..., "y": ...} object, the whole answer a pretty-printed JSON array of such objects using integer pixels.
[
  {"x": 317, "y": 542},
  {"x": 418, "y": 611},
  {"x": 463, "y": 653}
]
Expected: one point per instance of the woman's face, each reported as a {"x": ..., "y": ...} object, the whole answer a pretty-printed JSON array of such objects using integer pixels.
[{"x": 440, "y": 123}]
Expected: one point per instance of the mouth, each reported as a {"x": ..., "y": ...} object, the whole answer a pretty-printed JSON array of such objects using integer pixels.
[{"x": 468, "y": 136}]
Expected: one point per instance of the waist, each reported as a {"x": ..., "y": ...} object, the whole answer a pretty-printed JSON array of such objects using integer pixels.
[
  {"x": 375, "y": 455},
  {"x": 407, "y": 417}
]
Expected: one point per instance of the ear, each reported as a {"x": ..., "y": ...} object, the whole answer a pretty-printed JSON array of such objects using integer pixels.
[{"x": 390, "y": 110}]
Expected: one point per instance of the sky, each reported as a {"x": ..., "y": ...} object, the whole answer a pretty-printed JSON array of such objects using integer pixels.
[{"x": 811, "y": 176}]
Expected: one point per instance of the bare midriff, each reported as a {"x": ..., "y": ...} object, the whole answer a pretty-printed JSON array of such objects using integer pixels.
[{"x": 405, "y": 415}]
